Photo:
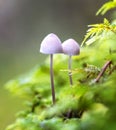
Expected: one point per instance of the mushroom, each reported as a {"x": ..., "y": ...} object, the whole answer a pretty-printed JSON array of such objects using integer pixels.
[
  {"x": 70, "y": 47},
  {"x": 51, "y": 44}
]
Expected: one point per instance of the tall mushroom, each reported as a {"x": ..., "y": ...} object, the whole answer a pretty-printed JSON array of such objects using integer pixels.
[
  {"x": 70, "y": 47},
  {"x": 51, "y": 44}
]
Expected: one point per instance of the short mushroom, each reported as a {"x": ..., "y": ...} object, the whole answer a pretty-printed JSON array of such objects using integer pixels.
[
  {"x": 70, "y": 47},
  {"x": 51, "y": 44}
]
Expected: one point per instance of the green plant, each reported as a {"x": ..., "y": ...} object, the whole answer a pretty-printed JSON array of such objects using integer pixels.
[
  {"x": 106, "y": 7},
  {"x": 99, "y": 31},
  {"x": 89, "y": 104}
]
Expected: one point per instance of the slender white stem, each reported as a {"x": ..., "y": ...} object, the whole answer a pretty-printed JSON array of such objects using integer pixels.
[
  {"x": 69, "y": 67},
  {"x": 52, "y": 79}
]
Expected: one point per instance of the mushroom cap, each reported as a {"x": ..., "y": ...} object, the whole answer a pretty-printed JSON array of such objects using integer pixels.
[
  {"x": 51, "y": 44},
  {"x": 71, "y": 47}
]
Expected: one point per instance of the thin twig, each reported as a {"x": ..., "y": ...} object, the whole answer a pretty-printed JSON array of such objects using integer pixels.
[
  {"x": 107, "y": 64},
  {"x": 112, "y": 69},
  {"x": 34, "y": 106}
]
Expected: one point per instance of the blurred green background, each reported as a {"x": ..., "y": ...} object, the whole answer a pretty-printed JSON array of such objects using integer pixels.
[{"x": 23, "y": 25}]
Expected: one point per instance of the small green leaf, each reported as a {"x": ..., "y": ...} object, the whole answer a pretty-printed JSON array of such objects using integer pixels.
[
  {"x": 96, "y": 31},
  {"x": 106, "y": 7}
]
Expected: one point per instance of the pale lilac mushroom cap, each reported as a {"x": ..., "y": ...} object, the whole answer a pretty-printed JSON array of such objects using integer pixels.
[
  {"x": 71, "y": 47},
  {"x": 51, "y": 44}
]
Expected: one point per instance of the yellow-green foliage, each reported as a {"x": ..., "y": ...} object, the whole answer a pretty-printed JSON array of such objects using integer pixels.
[
  {"x": 106, "y": 7},
  {"x": 99, "y": 31},
  {"x": 103, "y": 30}
]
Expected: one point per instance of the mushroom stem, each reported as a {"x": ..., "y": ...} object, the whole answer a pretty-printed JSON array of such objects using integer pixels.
[
  {"x": 52, "y": 78},
  {"x": 69, "y": 67}
]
